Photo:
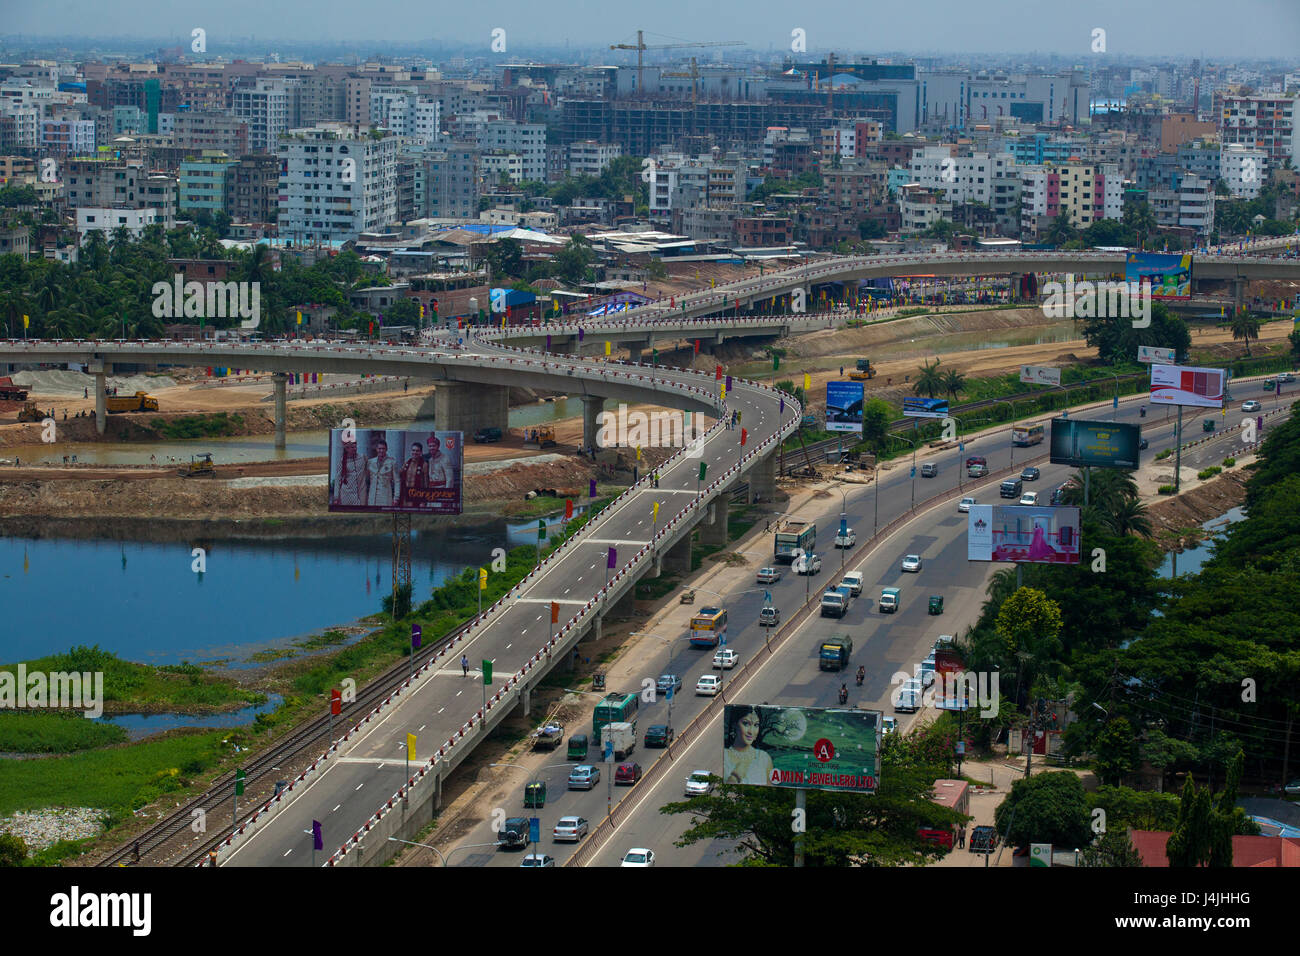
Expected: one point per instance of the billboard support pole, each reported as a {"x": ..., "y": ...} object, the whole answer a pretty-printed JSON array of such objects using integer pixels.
[
  {"x": 1087, "y": 484},
  {"x": 801, "y": 812},
  {"x": 1178, "y": 450}
]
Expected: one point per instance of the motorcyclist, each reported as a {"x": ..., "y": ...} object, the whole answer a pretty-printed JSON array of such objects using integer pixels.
[
  {"x": 862, "y": 675},
  {"x": 844, "y": 693}
]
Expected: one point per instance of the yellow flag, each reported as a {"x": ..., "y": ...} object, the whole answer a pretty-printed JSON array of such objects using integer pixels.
[
  {"x": 654, "y": 515},
  {"x": 482, "y": 579},
  {"x": 607, "y": 349},
  {"x": 638, "y": 452},
  {"x": 26, "y": 321},
  {"x": 807, "y": 382},
  {"x": 410, "y": 746},
  {"x": 299, "y": 314},
  {"x": 723, "y": 387}
]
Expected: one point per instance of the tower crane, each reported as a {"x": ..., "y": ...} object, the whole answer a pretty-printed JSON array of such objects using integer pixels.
[{"x": 641, "y": 47}]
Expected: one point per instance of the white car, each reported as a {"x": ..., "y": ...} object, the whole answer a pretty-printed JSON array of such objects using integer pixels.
[
  {"x": 808, "y": 564},
  {"x": 1251, "y": 406},
  {"x": 707, "y": 686},
  {"x": 846, "y": 540},
  {"x": 537, "y": 859},
  {"x": 854, "y": 580},
  {"x": 768, "y": 575},
  {"x": 699, "y": 783},
  {"x": 569, "y": 830},
  {"x": 1029, "y": 498},
  {"x": 912, "y": 562},
  {"x": 725, "y": 659},
  {"x": 964, "y": 505},
  {"x": 638, "y": 856}
]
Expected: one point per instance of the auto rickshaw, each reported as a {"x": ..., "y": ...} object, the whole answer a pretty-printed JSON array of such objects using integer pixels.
[
  {"x": 1269, "y": 385},
  {"x": 936, "y": 603},
  {"x": 1207, "y": 425},
  {"x": 535, "y": 794},
  {"x": 598, "y": 680}
]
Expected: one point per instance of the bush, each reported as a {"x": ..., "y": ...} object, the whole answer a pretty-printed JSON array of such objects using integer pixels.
[
  {"x": 1162, "y": 455},
  {"x": 1229, "y": 462},
  {"x": 1208, "y": 472},
  {"x": 1165, "y": 490}
]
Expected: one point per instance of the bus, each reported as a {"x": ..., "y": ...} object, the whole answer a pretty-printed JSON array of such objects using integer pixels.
[
  {"x": 613, "y": 709},
  {"x": 794, "y": 536},
  {"x": 1022, "y": 436},
  {"x": 708, "y": 627}
]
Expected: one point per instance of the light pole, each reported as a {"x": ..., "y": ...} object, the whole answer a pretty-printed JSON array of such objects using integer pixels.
[
  {"x": 427, "y": 846},
  {"x": 913, "y": 444},
  {"x": 844, "y": 507}
]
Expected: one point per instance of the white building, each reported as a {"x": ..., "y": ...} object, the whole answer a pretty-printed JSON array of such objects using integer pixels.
[
  {"x": 591, "y": 158},
  {"x": 109, "y": 219},
  {"x": 264, "y": 105},
  {"x": 963, "y": 179},
  {"x": 336, "y": 184},
  {"x": 1243, "y": 168},
  {"x": 526, "y": 140}
]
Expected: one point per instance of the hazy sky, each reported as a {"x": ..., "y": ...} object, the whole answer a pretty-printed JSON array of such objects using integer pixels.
[{"x": 1213, "y": 28}]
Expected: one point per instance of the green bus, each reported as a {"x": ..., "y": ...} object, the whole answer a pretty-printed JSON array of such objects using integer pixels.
[{"x": 613, "y": 709}]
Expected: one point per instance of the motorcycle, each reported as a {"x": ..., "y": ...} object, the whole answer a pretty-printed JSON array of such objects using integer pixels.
[
  {"x": 844, "y": 695},
  {"x": 1142, "y": 411},
  {"x": 861, "y": 676}
]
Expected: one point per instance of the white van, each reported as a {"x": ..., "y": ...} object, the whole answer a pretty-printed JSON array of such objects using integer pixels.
[{"x": 854, "y": 580}]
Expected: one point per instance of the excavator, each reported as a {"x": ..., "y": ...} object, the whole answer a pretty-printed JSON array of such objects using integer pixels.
[
  {"x": 30, "y": 413},
  {"x": 200, "y": 466}
]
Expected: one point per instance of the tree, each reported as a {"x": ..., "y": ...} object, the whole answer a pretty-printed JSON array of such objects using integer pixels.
[
  {"x": 13, "y": 850},
  {"x": 929, "y": 379},
  {"x": 1112, "y": 849},
  {"x": 571, "y": 262},
  {"x": 1189, "y": 843},
  {"x": 876, "y": 416},
  {"x": 1048, "y": 808},
  {"x": 505, "y": 259},
  {"x": 1116, "y": 750},
  {"x": 1245, "y": 326},
  {"x": 953, "y": 382},
  {"x": 1060, "y": 231},
  {"x": 1139, "y": 218}
]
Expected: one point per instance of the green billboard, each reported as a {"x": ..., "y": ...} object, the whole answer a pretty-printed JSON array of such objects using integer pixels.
[{"x": 802, "y": 748}]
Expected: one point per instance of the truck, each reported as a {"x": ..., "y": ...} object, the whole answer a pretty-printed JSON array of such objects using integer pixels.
[
  {"x": 834, "y": 653},
  {"x": 139, "y": 402},
  {"x": 836, "y": 601},
  {"x": 888, "y": 600},
  {"x": 795, "y": 536},
  {"x": 623, "y": 736},
  {"x": 549, "y": 736},
  {"x": 9, "y": 392}
]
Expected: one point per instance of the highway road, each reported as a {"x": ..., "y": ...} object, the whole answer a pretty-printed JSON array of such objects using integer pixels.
[{"x": 883, "y": 644}]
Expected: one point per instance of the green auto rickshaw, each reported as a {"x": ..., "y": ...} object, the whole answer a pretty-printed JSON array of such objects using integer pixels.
[
  {"x": 936, "y": 603},
  {"x": 535, "y": 794},
  {"x": 1207, "y": 425}
]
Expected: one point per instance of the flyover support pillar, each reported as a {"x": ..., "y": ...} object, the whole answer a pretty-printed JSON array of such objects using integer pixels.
[
  {"x": 280, "y": 380},
  {"x": 101, "y": 406},
  {"x": 677, "y": 559},
  {"x": 713, "y": 530},
  {"x": 467, "y": 407},
  {"x": 591, "y": 408},
  {"x": 1238, "y": 295},
  {"x": 1014, "y": 294},
  {"x": 762, "y": 480}
]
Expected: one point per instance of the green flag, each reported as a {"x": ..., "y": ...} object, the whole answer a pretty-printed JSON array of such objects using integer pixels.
[
  {"x": 487, "y": 673},
  {"x": 776, "y": 363},
  {"x": 541, "y": 529},
  {"x": 704, "y": 467},
  {"x": 239, "y": 782}
]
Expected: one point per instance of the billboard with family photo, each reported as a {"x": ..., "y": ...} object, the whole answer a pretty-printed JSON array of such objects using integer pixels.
[{"x": 393, "y": 471}]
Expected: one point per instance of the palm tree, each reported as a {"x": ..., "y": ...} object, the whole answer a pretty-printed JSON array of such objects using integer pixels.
[
  {"x": 1245, "y": 326},
  {"x": 930, "y": 379},
  {"x": 1128, "y": 517},
  {"x": 953, "y": 382}
]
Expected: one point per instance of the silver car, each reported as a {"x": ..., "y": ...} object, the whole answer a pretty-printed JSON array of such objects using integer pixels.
[
  {"x": 912, "y": 562},
  {"x": 569, "y": 830},
  {"x": 699, "y": 783},
  {"x": 768, "y": 575},
  {"x": 963, "y": 506}
]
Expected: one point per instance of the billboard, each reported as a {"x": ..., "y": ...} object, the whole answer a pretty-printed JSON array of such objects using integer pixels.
[
  {"x": 1040, "y": 375},
  {"x": 1035, "y": 534},
  {"x": 844, "y": 407},
  {"x": 802, "y": 748},
  {"x": 1187, "y": 385},
  {"x": 925, "y": 407},
  {"x": 1152, "y": 353},
  {"x": 1170, "y": 275},
  {"x": 391, "y": 470},
  {"x": 1083, "y": 444}
]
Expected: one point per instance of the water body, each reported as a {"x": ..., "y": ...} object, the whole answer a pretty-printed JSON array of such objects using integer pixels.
[
  {"x": 302, "y": 444},
  {"x": 1193, "y": 559},
  {"x": 142, "y": 725}
]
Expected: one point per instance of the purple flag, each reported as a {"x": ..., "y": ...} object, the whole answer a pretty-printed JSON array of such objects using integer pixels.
[
  {"x": 415, "y": 637},
  {"x": 592, "y": 492},
  {"x": 728, "y": 383},
  {"x": 581, "y": 333},
  {"x": 783, "y": 405},
  {"x": 613, "y": 558},
  {"x": 548, "y": 343},
  {"x": 317, "y": 838}
]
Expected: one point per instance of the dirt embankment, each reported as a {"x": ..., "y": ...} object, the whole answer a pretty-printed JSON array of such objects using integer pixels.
[{"x": 1182, "y": 517}]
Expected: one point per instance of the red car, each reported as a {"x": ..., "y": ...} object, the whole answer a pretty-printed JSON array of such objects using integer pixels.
[{"x": 628, "y": 773}]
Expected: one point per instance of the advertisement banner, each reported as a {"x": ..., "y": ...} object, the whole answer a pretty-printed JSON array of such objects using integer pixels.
[
  {"x": 1084, "y": 444},
  {"x": 1152, "y": 353},
  {"x": 1035, "y": 534},
  {"x": 925, "y": 407},
  {"x": 844, "y": 407},
  {"x": 390, "y": 470},
  {"x": 1170, "y": 275},
  {"x": 802, "y": 748},
  {"x": 1040, "y": 375},
  {"x": 1187, "y": 385}
]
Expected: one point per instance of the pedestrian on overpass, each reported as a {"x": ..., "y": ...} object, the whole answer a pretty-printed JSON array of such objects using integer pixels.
[{"x": 464, "y": 665}]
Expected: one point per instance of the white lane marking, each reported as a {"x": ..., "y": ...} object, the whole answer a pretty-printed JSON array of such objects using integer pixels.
[
  {"x": 286, "y": 853},
  {"x": 359, "y": 786},
  {"x": 336, "y": 808}
]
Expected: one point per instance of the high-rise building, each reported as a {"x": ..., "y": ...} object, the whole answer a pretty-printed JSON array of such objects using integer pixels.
[
  {"x": 336, "y": 184},
  {"x": 1243, "y": 168},
  {"x": 453, "y": 182},
  {"x": 1265, "y": 122},
  {"x": 203, "y": 181},
  {"x": 253, "y": 188},
  {"x": 264, "y": 105}
]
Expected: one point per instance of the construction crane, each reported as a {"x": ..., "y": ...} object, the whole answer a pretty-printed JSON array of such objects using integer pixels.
[
  {"x": 641, "y": 47},
  {"x": 694, "y": 77}
]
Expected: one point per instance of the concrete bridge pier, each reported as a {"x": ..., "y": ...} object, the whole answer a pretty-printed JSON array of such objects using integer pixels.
[
  {"x": 713, "y": 529},
  {"x": 101, "y": 408},
  {"x": 467, "y": 407},
  {"x": 1238, "y": 294},
  {"x": 677, "y": 559},
  {"x": 280, "y": 380},
  {"x": 1014, "y": 293},
  {"x": 762, "y": 480},
  {"x": 525, "y": 704},
  {"x": 591, "y": 408}
]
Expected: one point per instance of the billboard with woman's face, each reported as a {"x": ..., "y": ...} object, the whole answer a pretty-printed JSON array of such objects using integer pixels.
[
  {"x": 802, "y": 748},
  {"x": 394, "y": 471}
]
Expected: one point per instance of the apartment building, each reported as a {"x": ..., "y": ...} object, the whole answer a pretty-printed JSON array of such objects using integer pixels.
[
  {"x": 204, "y": 181},
  {"x": 962, "y": 179},
  {"x": 525, "y": 140},
  {"x": 335, "y": 184},
  {"x": 198, "y": 131},
  {"x": 1265, "y": 122},
  {"x": 591, "y": 158},
  {"x": 453, "y": 182},
  {"x": 67, "y": 137},
  {"x": 919, "y": 209},
  {"x": 253, "y": 188},
  {"x": 1083, "y": 192},
  {"x": 264, "y": 106}
]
